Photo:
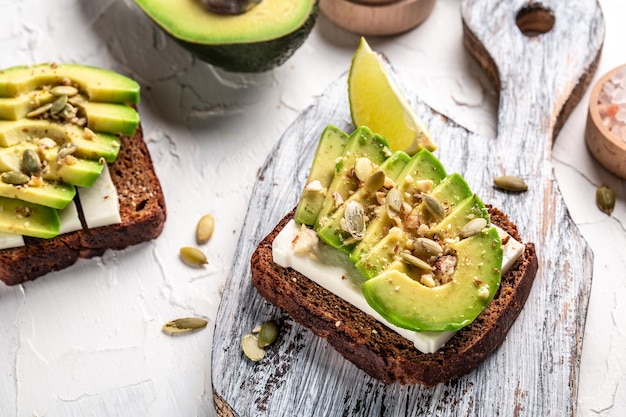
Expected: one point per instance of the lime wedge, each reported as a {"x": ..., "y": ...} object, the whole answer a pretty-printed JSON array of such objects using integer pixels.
[{"x": 376, "y": 102}]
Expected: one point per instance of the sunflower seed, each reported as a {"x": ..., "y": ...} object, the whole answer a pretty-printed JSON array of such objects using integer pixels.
[
  {"x": 415, "y": 261},
  {"x": 473, "y": 227},
  {"x": 393, "y": 202},
  {"x": 39, "y": 110},
  {"x": 31, "y": 164},
  {"x": 605, "y": 199},
  {"x": 510, "y": 183},
  {"x": 184, "y": 325},
  {"x": 250, "y": 348},
  {"x": 205, "y": 228},
  {"x": 64, "y": 90},
  {"x": 193, "y": 256},
  {"x": 355, "y": 219},
  {"x": 15, "y": 178},
  {"x": 433, "y": 206},
  {"x": 268, "y": 333},
  {"x": 427, "y": 247},
  {"x": 66, "y": 149},
  {"x": 374, "y": 182}
]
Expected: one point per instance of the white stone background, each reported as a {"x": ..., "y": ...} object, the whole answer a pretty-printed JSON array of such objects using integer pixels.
[{"x": 87, "y": 341}]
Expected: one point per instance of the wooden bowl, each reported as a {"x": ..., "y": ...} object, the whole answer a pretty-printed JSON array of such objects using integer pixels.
[
  {"x": 605, "y": 146},
  {"x": 377, "y": 17}
]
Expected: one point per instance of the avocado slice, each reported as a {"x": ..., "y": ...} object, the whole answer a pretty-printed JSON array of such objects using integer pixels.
[
  {"x": 70, "y": 170},
  {"x": 329, "y": 149},
  {"x": 361, "y": 143},
  {"x": 112, "y": 118},
  {"x": 23, "y": 218},
  {"x": 256, "y": 41},
  {"x": 89, "y": 145},
  {"x": 332, "y": 233},
  {"x": 47, "y": 193},
  {"x": 97, "y": 83},
  {"x": 422, "y": 166},
  {"x": 409, "y": 304}
]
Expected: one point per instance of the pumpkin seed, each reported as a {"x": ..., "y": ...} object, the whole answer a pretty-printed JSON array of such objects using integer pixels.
[
  {"x": 433, "y": 206},
  {"x": 605, "y": 199},
  {"x": 193, "y": 256},
  {"x": 39, "y": 110},
  {"x": 15, "y": 178},
  {"x": 473, "y": 227},
  {"x": 31, "y": 164},
  {"x": 374, "y": 182},
  {"x": 184, "y": 325},
  {"x": 427, "y": 247},
  {"x": 58, "y": 104},
  {"x": 393, "y": 202},
  {"x": 64, "y": 90},
  {"x": 355, "y": 219},
  {"x": 510, "y": 183},
  {"x": 205, "y": 228},
  {"x": 268, "y": 333},
  {"x": 250, "y": 347},
  {"x": 415, "y": 261}
]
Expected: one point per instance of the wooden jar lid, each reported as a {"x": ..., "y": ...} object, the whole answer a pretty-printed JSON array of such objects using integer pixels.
[
  {"x": 606, "y": 147},
  {"x": 377, "y": 17}
]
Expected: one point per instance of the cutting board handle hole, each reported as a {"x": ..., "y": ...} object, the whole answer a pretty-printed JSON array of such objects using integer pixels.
[{"x": 534, "y": 20}]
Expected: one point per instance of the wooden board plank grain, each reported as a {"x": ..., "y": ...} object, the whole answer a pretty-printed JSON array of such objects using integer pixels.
[{"x": 535, "y": 371}]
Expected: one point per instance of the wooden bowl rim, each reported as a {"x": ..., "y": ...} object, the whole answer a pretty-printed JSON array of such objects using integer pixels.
[{"x": 360, "y": 10}]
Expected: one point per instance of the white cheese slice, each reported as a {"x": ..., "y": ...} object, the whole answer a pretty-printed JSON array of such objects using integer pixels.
[
  {"x": 339, "y": 277},
  {"x": 10, "y": 240},
  {"x": 70, "y": 222},
  {"x": 100, "y": 202}
]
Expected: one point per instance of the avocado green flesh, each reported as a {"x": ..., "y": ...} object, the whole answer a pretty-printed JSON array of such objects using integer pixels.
[
  {"x": 408, "y": 304},
  {"x": 111, "y": 118},
  {"x": 50, "y": 194},
  {"x": 101, "y": 145},
  {"x": 23, "y": 218},
  {"x": 256, "y": 41},
  {"x": 99, "y": 84},
  {"x": 361, "y": 143},
  {"x": 330, "y": 147},
  {"x": 449, "y": 192},
  {"x": 422, "y": 166},
  {"x": 331, "y": 232}
]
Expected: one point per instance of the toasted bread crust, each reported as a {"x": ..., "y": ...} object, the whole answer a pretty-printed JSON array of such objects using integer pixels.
[
  {"x": 142, "y": 209},
  {"x": 373, "y": 347}
]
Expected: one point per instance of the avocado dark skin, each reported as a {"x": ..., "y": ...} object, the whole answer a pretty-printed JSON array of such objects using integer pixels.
[{"x": 230, "y": 6}]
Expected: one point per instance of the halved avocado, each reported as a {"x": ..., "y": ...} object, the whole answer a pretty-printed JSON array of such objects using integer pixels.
[
  {"x": 97, "y": 83},
  {"x": 256, "y": 41}
]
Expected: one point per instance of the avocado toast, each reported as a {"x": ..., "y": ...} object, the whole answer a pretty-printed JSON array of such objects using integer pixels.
[
  {"x": 472, "y": 299},
  {"x": 82, "y": 125}
]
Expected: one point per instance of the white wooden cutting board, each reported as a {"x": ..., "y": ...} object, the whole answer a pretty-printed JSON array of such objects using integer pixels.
[{"x": 535, "y": 372}]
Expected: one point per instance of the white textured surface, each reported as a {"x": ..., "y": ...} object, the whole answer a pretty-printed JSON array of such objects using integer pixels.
[{"x": 87, "y": 341}]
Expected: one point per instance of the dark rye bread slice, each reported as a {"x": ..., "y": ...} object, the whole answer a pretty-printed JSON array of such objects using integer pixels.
[
  {"x": 142, "y": 209},
  {"x": 372, "y": 346}
]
